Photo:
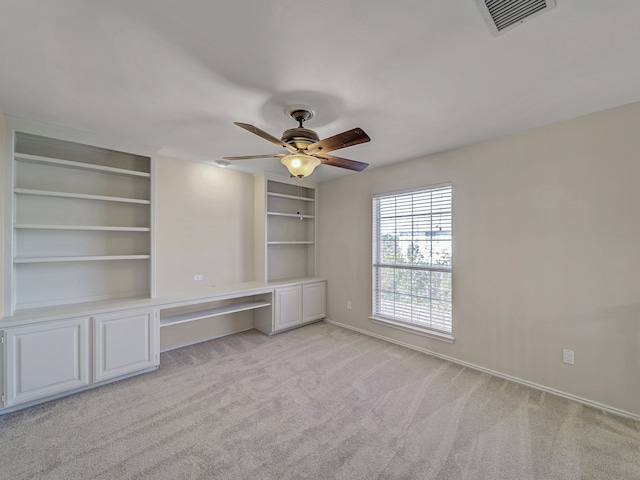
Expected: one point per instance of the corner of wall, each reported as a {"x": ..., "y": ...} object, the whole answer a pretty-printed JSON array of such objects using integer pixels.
[{"x": 3, "y": 160}]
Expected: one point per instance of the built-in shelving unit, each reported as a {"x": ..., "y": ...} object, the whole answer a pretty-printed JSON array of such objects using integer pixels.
[
  {"x": 82, "y": 222},
  {"x": 285, "y": 228}
]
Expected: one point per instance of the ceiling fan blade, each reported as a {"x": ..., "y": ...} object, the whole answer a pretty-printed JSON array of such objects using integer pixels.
[
  {"x": 341, "y": 140},
  {"x": 249, "y": 157},
  {"x": 342, "y": 162},
  {"x": 266, "y": 136}
]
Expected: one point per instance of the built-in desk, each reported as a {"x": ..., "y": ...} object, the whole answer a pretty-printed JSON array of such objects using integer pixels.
[
  {"x": 210, "y": 313},
  {"x": 54, "y": 351}
]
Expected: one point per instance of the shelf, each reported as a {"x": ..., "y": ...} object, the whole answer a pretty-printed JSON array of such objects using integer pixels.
[
  {"x": 305, "y": 242},
  {"x": 23, "y": 157},
  {"x": 46, "y": 193},
  {"x": 91, "y": 258},
  {"x": 82, "y": 227},
  {"x": 212, "y": 312},
  {"x": 294, "y": 215},
  {"x": 290, "y": 197}
]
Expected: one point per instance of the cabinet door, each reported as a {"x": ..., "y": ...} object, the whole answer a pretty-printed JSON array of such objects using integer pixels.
[
  {"x": 46, "y": 359},
  {"x": 313, "y": 301},
  {"x": 288, "y": 308},
  {"x": 124, "y": 342}
]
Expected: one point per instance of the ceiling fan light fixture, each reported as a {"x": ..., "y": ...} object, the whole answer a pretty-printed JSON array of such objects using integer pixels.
[
  {"x": 305, "y": 150},
  {"x": 300, "y": 165}
]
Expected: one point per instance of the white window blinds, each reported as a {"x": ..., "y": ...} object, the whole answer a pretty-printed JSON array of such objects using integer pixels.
[{"x": 412, "y": 249}]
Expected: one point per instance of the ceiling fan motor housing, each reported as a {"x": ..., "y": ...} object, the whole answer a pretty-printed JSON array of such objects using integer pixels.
[{"x": 300, "y": 137}]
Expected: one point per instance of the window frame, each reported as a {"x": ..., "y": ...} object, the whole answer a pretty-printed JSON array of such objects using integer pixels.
[{"x": 398, "y": 323}]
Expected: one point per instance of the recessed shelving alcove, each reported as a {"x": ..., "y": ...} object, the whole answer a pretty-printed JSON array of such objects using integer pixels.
[
  {"x": 285, "y": 228},
  {"x": 81, "y": 227}
]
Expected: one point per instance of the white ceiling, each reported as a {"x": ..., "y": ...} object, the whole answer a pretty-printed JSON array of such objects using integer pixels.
[{"x": 418, "y": 76}]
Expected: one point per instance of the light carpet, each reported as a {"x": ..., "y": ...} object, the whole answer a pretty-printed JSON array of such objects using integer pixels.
[{"x": 319, "y": 402}]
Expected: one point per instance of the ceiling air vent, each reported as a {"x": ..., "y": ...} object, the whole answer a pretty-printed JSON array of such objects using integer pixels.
[{"x": 502, "y": 15}]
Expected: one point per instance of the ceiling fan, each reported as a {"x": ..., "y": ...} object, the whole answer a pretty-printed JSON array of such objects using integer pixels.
[{"x": 305, "y": 150}]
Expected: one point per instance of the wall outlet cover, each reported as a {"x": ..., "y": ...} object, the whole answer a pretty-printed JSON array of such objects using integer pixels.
[{"x": 567, "y": 356}]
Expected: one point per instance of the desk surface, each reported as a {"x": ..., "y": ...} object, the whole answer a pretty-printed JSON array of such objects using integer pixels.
[{"x": 175, "y": 299}]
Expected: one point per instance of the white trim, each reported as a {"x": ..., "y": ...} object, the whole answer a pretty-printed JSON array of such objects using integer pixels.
[
  {"x": 17, "y": 124},
  {"x": 414, "y": 190},
  {"x": 569, "y": 396},
  {"x": 417, "y": 329},
  {"x": 152, "y": 228},
  {"x": 377, "y": 265},
  {"x": 409, "y": 266},
  {"x": 9, "y": 215}
]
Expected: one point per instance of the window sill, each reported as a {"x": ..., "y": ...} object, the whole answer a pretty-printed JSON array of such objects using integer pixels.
[{"x": 407, "y": 327}]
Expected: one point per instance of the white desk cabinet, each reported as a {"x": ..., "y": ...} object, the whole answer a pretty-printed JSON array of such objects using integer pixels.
[
  {"x": 298, "y": 304},
  {"x": 124, "y": 342},
  {"x": 313, "y": 301},
  {"x": 288, "y": 307},
  {"x": 46, "y": 359}
]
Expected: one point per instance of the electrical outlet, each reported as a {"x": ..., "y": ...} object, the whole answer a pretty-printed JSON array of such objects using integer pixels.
[
  {"x": 198, "y": 277},
  {"x": 567, "y": 356},
  {"x": 348, "y": 304}
]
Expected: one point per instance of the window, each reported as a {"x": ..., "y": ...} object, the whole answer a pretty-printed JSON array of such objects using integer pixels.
[{"x": 412, "y": 248}]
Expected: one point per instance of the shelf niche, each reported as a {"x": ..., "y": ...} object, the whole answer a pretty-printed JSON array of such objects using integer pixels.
[
  {"x": 82, "y": 227},
  {"x": 285, "y": 228}
]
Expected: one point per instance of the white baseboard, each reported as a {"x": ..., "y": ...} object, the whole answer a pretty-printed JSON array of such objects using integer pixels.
[{"x": 568, "y": 396}]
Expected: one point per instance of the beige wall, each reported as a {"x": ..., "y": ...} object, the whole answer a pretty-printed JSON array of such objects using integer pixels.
[
  {"x": 204, "y": 225},
  {"x": 546, "y": 253},
  {"x": 3, "y": 151}
]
